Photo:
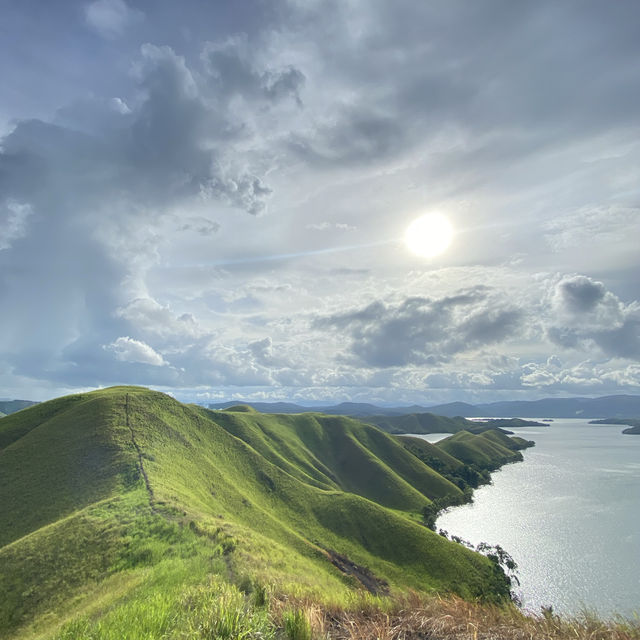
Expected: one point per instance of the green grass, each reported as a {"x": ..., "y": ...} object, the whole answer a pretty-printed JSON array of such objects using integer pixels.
[
  {"x": 59, "y": 457},
  {"x": 90, "y": 546},
  {"x": 485, "y": 450},
  {"x": 296, "y": 625},
  {"x": 419, "y": 423},
  {"x": 213, "y": 609}
]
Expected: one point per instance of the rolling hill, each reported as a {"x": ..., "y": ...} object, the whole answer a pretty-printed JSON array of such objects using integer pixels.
[
  {"x": 488, "y": 450},
  {"x": 124, "y": 509},
  {"x": 423, "y": 423}
]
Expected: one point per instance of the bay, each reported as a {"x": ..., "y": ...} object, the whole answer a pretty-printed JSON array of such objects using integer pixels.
[{"x": 570, "y": 517}]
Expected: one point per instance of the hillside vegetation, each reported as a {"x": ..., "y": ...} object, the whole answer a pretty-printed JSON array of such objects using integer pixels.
[
  {"x": 423, "y": 423},
  {"x": 126, "y": 514}
]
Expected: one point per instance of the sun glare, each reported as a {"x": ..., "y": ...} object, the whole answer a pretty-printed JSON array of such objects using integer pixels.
[{"x": 429, "y": 235}]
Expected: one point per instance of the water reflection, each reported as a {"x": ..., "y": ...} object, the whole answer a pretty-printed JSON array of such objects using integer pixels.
[{"x": 568, "y": 515}]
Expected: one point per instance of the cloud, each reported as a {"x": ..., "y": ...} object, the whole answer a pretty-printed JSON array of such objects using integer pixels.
[
  {"x": 110, "y": 18},
  {"x": 151, "y": 318},
  {"x": 13, "y": 222},
  {"x": 352, "y": 135},
  {"x": 586, "y": 313},
  {"x": 594, "y": 225},
  {"x": 122, "y": 200},
  {"x": 330, "y": 226},
  {"x": 580, "y": 294},
  {"x": 421, "y": 330},
  {"x": 200, "y": 225},
  {"x": 83, "y": 210},
  {"x": 232, "y": 66},
  {"x": 129, "y": 350},
  {"x": 262, "y": 350}
]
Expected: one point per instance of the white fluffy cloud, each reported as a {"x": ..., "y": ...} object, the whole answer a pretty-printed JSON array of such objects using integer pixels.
[
  {"x": 13, "y": 222},
  {"x": 127, "y": 349}
]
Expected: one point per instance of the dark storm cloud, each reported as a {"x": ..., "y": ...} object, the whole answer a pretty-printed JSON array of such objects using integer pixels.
[
  {"x": 81, "y": 207},
  {"x": 165, "y": 150},
  {"x": 234, "y": 73},
  {"x": 521, "y": 76},
  {"x": 563, "y": 337},
  {"x": 425, "y": 331},
  {"x": 358, "y": 135},
  {"x": 621, "y": 342},
  {"x": 586, "y": 313},
  {"x": 581, "y": 293}
]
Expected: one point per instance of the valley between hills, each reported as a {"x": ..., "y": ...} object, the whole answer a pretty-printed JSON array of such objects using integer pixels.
[{"x": 126, "y": 514}]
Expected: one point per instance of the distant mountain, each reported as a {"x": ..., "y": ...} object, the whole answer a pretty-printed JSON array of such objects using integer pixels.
[
  {"x": 622, "y": 406},
  {"x": 455, "y": 409},
  {"x": 361, "y": 409},
  {"x": 354, "y": 409},
  {"x": 11, "y": 406}
]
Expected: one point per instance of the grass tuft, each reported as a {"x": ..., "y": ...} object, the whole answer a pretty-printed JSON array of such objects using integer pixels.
[{"x": 296, "y": 625}]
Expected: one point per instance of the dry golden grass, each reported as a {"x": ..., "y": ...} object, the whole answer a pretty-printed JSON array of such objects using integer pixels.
[{"x": 415, "y": 617}]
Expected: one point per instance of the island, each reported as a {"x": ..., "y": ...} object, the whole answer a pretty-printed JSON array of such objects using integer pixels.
[
  {"x": 424, "y": 423},
  {"x": 632, "y": 423}
]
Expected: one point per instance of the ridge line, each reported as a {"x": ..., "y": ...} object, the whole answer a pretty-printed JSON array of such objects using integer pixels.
[{"x": 137, "y": 447}]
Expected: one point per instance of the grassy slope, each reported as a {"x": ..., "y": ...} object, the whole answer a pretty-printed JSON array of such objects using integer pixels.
[
  {"x": 339, "y": 453},
  {"x": 231, "y": 493},
  {"x": 241, "y": 484},
  {"x": 419, "y": 423},
  {"x": 480, "y": 450},
  {"x": 58, "y": 457},
  {"x": 431, "y": 450},
  {"x": 514, "y": 443}
]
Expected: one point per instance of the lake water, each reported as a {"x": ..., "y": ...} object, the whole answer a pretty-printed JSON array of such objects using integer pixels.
[
  {"x": 429, "y": 437},
  {"x": 570, "y": 517}
]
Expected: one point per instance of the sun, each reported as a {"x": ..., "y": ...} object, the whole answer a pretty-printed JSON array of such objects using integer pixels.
[{"x": 429, "y": 235}]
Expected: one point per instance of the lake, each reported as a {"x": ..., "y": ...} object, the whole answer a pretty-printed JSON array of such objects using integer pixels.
[{"x": 569, "y": 515}]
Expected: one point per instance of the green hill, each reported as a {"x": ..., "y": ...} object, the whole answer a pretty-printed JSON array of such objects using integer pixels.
[
  {"x": 122, "y": 511},
  {"x": 419, "y": 423},
  {"x": 423, "y": 423},
  {"x": 485, "y": 450},
  {"x": 514, "y": 443}
]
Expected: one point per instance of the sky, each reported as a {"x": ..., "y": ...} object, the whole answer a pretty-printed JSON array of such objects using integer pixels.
[{"x": 210, "y": 198}]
